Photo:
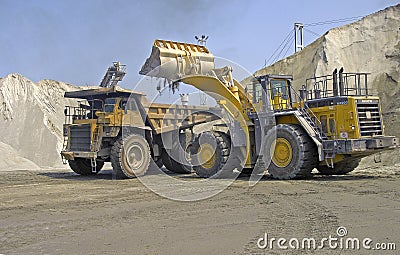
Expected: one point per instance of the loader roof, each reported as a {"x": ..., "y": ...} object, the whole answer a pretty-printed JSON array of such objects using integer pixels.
[{"x": 102, "y": 93}]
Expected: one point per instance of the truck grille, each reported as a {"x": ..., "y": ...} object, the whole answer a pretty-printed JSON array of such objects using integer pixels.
[
  {"x": 369, "y": 118},
  {"x": 79, "y": 138}
]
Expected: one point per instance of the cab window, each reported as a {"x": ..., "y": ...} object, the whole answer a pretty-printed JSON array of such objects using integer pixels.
[
  {"x": 278, "y": 87},
  {"x": 257, "y": 92},
  {"x": 127, "y": 104},
  {"x": 109, "y": 104}
]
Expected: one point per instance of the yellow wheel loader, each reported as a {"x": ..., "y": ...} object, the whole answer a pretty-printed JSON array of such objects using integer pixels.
[{"x": 330, "y": 124}]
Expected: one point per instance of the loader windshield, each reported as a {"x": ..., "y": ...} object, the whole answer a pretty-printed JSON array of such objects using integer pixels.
[{"x": 278, "y": 87}]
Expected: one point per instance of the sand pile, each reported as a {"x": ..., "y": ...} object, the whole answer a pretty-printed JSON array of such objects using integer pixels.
[
  {"x": 372, "y": 45},
  {"x": 31, "y": 119}
]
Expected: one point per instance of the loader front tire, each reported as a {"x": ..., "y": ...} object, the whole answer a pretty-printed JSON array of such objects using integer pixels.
[{"x": 290, "y": 151}]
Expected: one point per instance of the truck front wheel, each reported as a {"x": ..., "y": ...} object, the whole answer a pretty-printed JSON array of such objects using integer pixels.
[
  {"x": 83, "y": 166},
  {"x": 130, "y": 156}
]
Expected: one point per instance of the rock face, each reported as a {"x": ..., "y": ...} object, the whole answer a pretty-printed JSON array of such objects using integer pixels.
[
  {"x": 371, "y": 45},
  {"x": 31, "y": 119}
]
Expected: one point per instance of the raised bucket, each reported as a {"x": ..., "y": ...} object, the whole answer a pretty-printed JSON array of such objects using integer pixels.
[{"x": 174, "y": 60}]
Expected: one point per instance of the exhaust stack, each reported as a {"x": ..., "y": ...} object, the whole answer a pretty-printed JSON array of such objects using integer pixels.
[
  {"x": 341, "y": 85},
  {"x": 335, "y": 85}
]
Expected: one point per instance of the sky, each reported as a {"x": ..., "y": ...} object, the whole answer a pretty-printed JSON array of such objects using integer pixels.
[{"x": 75, "y": 41}]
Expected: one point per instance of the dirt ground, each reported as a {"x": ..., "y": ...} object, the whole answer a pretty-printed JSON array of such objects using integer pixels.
[{"x": 58, "y": 212}]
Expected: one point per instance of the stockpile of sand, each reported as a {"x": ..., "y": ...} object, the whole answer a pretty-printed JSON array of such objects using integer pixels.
[
  {"x": 372, "y": 45},
  {"x": 31, "y": 119}
]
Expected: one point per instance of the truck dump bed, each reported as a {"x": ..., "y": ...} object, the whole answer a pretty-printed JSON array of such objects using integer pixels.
[
  {"x": 166, "y": 117},
  {"x": 161, "y": 117}
]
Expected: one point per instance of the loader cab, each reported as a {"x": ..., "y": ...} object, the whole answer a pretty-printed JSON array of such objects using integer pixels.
[
  {"x": 279, "y": 93},
  {"x": 273, "y": 92}
]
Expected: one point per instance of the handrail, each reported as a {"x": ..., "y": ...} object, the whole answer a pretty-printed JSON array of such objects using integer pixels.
[
  {"x": 304, "y": 103},
  {"x": 350, "y": 84}
]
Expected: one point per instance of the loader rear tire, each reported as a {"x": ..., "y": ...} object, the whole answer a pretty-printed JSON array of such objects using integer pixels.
[
  {"x": 130, "y": 156},
  {"x": 340, "y": 168},
  {"x": 83, "y": 166},
  {"x": 291, "y": 152}
]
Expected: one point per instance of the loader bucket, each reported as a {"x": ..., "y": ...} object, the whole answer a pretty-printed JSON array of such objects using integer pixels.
[{"x": 174, "y": 60}]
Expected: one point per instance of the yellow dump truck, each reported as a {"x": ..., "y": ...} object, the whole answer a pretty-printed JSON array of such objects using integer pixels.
[
  {"x": 330, "y": 124},
  {"x": 111, "y": 124}
]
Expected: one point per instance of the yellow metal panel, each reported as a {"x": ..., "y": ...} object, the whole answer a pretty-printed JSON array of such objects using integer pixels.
[
  {"x": 85, "y": 121},
  {"x": 345, "y": 116},
  {"x": 287, "y": 119}
]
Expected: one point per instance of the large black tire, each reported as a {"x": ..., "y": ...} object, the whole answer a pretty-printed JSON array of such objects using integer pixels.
[
  {"x": 291, "y": 152},
  {"x": 159, "y": 163},
  {"x": 181, "y": 165},
  {"x": 172, "y": 165},
  {"x": 166, "y": 161},
  {"x": 237, "y": 157},
  {"x": 340, "y": 168},
  {"x": 207, "y": 161},
  {"x": 83, "y": 166},
  {"x": 130, "y": 156}
]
